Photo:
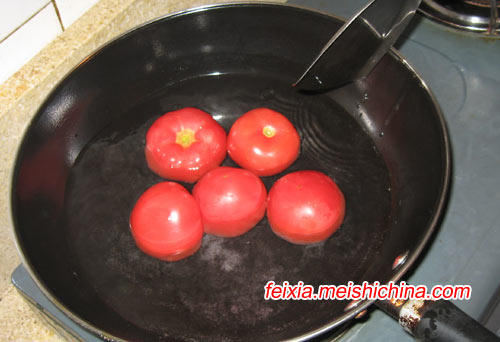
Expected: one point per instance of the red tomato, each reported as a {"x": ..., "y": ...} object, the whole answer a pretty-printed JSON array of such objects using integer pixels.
[
  {"x": 184, "y": 144},
  {"x": 263, "y": 141},
  {"x": 305, "y": 207},
  {"x": 231, "y": 200},
  {"x": 166, "y": 222}
]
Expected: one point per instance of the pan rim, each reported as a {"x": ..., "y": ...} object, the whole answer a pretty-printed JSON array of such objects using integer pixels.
[{"x": 348, "y": 315}]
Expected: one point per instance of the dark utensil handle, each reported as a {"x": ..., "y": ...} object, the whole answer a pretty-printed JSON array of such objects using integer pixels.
[{"x": 437, "y": 321}]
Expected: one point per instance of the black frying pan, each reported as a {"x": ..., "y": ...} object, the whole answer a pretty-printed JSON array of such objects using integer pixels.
[{"x": 81, "y": 168}]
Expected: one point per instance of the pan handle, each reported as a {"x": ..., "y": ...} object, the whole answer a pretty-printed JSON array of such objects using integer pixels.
[{"x": 437, "y": 321}]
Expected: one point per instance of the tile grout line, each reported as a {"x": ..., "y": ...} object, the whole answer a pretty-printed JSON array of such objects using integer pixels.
[
  {"x": 58, "y": 14},
  {"x": 24, "y": 22}
]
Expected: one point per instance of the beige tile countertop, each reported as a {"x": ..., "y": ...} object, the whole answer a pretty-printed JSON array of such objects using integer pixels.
[{"x": 21, "y": 95}]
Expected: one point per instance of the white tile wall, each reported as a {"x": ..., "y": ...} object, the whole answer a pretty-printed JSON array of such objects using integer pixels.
[
  {"x": 30, "y": 38},
  {"x": 71, "y": 10},
  {"x": 27, "y": 26},
  {"x": 14, "y": 13}
]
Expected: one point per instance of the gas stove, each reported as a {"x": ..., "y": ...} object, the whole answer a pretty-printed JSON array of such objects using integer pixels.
[
  {"x": 473, "y": 15},
  {"x": 461, "y": 69}
]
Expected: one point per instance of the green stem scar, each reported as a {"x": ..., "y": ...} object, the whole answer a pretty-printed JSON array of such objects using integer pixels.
[
  {"x": 269, "y": 131},
  {"x": 185, "y": 137}
]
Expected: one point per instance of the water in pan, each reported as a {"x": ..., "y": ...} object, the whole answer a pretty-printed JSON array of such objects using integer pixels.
[{"x": 217, "y": 293}]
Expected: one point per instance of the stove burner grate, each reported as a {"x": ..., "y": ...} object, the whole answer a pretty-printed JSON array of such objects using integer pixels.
[{"x": 479, "y": 16}]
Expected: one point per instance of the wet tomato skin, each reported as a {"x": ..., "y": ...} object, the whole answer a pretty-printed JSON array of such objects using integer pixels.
[
  {"x": 263, "y": 141},
  {"x": 232, "y": 201},
  {"x": 183, "y": 145},
  {"x": 166, "y": 222},
  {"x": 305, "y": 207}
]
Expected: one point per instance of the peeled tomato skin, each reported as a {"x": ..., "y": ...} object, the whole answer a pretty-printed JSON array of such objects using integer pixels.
[{"x": 166, "y": 222}]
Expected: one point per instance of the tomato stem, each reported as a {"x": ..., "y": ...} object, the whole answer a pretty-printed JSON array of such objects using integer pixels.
[
  {"x": 185, "y": 137},
  {"x": 269, "y": 131}
]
